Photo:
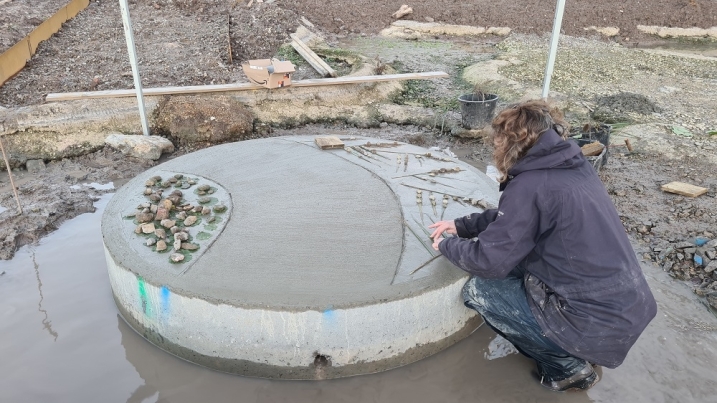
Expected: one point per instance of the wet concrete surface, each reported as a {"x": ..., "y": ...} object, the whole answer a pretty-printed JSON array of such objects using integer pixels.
[{"x": 61, "y": 340}]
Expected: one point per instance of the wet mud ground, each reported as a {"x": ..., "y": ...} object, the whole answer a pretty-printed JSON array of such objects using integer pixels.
[{"x": 62, "y": 340}]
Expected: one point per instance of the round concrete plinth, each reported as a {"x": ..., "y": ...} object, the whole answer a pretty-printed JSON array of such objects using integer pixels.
[{"x": 318, "y": 265}]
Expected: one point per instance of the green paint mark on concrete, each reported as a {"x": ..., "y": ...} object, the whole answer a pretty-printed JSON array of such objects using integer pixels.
[
  {"x": 203, "y": 236},
  {"x": 146, "y": 308}
]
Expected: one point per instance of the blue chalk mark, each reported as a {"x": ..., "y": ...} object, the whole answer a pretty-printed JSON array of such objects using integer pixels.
[
  {"x": 329, "y": 314},
  {"x": 164, "y": 294},
  {"x": 699, "y": 241},
  {"x": 698, "y": 260}
]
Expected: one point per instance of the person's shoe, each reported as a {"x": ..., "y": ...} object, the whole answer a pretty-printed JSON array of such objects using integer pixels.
[{"x": 583, "y": 380}]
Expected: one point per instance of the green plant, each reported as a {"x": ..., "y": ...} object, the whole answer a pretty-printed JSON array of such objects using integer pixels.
[{"x": 286, "y": 52}]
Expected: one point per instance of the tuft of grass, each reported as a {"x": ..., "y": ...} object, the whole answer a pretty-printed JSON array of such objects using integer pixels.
[{"x": 286, "y": 52}]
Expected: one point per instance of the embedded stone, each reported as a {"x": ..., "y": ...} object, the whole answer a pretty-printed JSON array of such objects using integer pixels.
[
  {"x": 145, "y": 217},
  {"x": 219, "y": 208},
  {"x": 167, "y": 223},
  {"x": 176, "y": 257},
  {"x": 204, "y": 200},
  {"x": 189, "y": 246},
  {"x": 204, "y": 187},
  {"x": 147, "y": 191},
  {"x": 162, "y": 214},
  {"x": 148, "y": 228},
  {"x": 151, "y": 241},
  {"x": 161, "y": 245},
  {"x": 189, "y": 221},
  {"x": 160, "y": 233},
  {"x": 206, "y": 210}
]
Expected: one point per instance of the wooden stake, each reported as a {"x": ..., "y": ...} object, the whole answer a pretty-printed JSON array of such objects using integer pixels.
[
  {"x": 9, "y": 174},
  {"x": 629, "y": 146}
]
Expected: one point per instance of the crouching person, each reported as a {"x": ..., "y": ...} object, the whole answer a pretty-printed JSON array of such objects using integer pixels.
[{"x": 552, "y": 268}]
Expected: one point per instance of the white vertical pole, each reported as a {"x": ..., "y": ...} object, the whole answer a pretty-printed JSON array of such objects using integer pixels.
[
  {"x": 133, "y": 61},
  {"x": 553, "y": 47}
]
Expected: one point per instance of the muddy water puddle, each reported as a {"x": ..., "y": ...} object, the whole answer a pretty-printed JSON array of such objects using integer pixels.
[{"x": 61, "y": 340}]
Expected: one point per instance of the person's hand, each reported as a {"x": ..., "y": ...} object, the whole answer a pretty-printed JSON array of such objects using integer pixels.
[
  {"x": 439, "y": 228},
  {"x": 437, "y": 241}
]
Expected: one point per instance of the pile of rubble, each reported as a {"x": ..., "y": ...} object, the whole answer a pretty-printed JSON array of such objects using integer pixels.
[{"x": 694, "y": 260}]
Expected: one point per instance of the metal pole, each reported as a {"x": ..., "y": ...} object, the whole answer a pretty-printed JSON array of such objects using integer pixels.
[
  {"x": 553, "y": 47},
  {"x": 9, "y": 174},
  {"x": 133, "y": 61}
]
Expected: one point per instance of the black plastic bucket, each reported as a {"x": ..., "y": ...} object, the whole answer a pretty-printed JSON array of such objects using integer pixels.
[
  {"x": 477, "y": 110},
  {"x": 599, "y": 133}
]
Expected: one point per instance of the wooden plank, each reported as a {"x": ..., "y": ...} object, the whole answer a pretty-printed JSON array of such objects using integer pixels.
[
  {"x": 328, "y": 142},
  {"x": 684, "y": 189},
  {"x": 592, "y": 149},
  {"x": 196, "y": 89},
  {"x": 75, "y": 6},
  {"x": 47, "y": 29},
  {"x": 310, "y": 56},
  {"x": 14, "y": 59}
]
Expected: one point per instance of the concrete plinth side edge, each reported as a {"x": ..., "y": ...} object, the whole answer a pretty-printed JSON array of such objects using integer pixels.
[{"x": 293, "y": 345}]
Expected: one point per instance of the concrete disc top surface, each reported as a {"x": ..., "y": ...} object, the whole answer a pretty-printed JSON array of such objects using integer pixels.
[{"x": 304, "y": 228}]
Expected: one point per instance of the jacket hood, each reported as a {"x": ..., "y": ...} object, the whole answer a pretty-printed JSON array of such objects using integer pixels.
[{"x": 549, "y": 152}]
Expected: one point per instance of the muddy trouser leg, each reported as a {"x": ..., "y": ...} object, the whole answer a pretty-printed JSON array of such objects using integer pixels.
[{"x": 504, "y": 306}]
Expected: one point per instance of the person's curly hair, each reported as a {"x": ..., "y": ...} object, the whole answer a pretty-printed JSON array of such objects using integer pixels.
[{"x": 518, "y": 127}]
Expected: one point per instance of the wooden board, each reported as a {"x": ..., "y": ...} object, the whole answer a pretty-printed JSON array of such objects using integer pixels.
[
  {"x": 592, "y": 149},
  {"x": 13, "y": 60},
  {"x": 311, "y": 57},
  {"x": 198, "y": 89},
  {"x": 684, "y": 189},
  {"x": 328, "y": 142}
]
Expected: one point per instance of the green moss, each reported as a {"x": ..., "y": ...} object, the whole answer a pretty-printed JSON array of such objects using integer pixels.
[{"x": 286, "y": 52}]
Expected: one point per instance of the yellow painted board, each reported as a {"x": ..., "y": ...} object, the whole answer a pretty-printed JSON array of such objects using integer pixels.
[
  {"x": 684, "y": 189},
  {"x": 47, "y": 29},
  {"x": 75, "y": 6},
  {"x": 14, "y": 59}
]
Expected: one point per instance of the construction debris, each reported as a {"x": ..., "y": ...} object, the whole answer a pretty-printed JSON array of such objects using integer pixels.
[
  {"x": 311, "y": 57},
  {"x": 592, "y": 149},
  {"x": 403, "y": 11},
  {"x": 684, "y": 189}
]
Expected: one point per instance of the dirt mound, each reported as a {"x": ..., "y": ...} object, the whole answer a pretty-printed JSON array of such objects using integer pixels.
[
  {"x": 618, "y": 108},
  {"x": 195, "y": 121}
]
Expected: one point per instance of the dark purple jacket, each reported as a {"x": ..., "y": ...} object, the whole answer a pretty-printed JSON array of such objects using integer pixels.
[{"x": 583, "y": 282}]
